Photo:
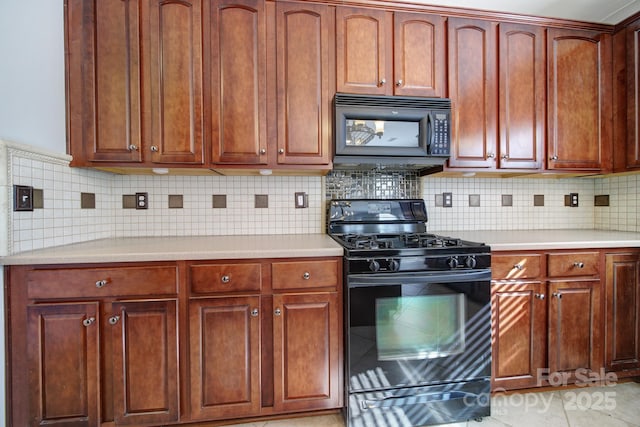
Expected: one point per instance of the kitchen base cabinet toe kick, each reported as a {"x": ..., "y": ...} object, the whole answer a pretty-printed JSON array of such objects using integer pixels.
[{"x": 150, "y": 344}]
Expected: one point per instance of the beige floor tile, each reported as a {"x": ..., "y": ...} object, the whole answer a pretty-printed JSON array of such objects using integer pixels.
[{"x": 576, "y": 407}]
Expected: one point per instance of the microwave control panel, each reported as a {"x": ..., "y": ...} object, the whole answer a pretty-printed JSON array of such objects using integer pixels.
[{"x": 440, "y": 138}]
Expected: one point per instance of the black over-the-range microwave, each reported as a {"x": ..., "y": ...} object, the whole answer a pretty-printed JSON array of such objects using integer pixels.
[{"x": 391, "y": 132}]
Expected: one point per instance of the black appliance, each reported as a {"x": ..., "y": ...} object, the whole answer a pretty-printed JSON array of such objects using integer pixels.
[
  {"x": 417, "y": 317},
  {"x": 391, "y": 132}
]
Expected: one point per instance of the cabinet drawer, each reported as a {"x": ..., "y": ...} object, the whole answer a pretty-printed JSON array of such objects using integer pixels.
[
  {"x": 573, "y": 264},
  {"x": 102, "y": 282},
  {"x": 214, "y": 278},
  {"x": 305, "y": 274},
  {"x": 524, "y": 266}
]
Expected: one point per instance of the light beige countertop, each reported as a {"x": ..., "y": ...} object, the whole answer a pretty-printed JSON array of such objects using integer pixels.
[
  {"x": 297, "y": 245},
  {"x": 516, "y": 240},
  {"x": 182, "y": 248}
]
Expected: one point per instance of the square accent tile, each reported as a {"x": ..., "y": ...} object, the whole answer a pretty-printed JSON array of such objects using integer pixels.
[
  {"x": 219, "y": 201},
  {"x": 600, "y": 200},
  {"x": 38, "y": 198},
  {"x": 261, "y": 201},
  {"x": 128, "y": 201},
  {"x": 507, "y": 200},
  {"x": 474, "y": 200},
  {"x": 87, "y": 201},
  {"x": 538, "y": 200},
  {"x": 175, "y": 201}
]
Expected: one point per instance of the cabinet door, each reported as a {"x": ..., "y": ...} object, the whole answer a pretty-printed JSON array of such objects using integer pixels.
[
  {"x": 580, "y": 98},
  {"x": 419, "y": 56},
  {"x": 236, "y": 37},
  {"x": 145, "y": 362},
  {"x": 63, "y": 360},
  {"x": 307, "y": 360},
  {"x": 304, "y": 40},
  {"x": 224, "y": 347},
  {"x": 522, "y": 96},
  {"x": 622, "y": 302},
  {"x": 363, "y": 51},
  {"x": 519, "y": 333},
  {"x": 473, "y": 83},
  {"x": 103, "y": 81},
  {"x": 633, "y": 95},
  {"x": 173, "y": 51},
  {"x": 574, "y": 325}
]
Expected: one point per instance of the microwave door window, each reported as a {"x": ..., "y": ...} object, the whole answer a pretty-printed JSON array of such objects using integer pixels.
[{"x": 382, "y": 133}]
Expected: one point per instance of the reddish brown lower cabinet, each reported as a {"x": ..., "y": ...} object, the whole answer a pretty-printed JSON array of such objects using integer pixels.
[
  {"x": 574, "y": 326},
  {"x": 224, "y": 348},
  {"x": 145, "y": 362},
  {"x": 519, "y": 334},
  {"x": 63, "y": 365},
  {"x": 306, "y": 325},
  {"x": 546, "y": 317},
  {"x": 99, "y": 349},
  {"x": 622, "y": 318},
  {"x": 165, "y": 343}
]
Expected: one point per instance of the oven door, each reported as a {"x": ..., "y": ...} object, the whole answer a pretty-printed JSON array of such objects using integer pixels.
[{"x": 415, "y": 329}]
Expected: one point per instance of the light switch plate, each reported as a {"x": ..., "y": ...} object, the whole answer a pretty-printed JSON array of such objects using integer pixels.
[
  {"x": 22, "y": 198},
  {"x": 302, "y": 200}
]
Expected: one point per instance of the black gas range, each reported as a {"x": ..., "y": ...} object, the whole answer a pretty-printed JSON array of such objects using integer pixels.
[
  {"x": 417, "y": 317},
  {"x": 389, "y": 236}
]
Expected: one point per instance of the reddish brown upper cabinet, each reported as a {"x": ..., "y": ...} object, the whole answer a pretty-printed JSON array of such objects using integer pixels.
[
  {"x": 522, "y": 83},
  {"x": 236, "y": 41},
  {"x": 633, "y": 95},
  {"x": 134, "y": 83},
  {"x": 104, "y": 105},
  {"x": 579, "y": 72},
  {"x": 304, "y": 88},
  {"x": 387, "y": 53},
  {"x": 473, "y": 89},
  {"x": 172, "y": 51}
]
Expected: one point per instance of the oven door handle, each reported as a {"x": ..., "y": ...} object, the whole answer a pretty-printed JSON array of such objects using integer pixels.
[
  {"x": 384, "y": 279},
  {"x": 423, "y": 398}
]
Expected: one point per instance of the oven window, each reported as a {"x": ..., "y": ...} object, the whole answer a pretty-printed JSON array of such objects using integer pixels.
[
  {"x": 383, "y": 133},
  {"x": 420, "y": 327}
]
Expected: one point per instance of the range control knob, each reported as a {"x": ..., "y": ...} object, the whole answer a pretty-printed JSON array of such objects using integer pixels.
[
  {"x": 452, "y": 262},
  {"x": 470, "y": 262},
  {"x": 394, "y": 265},
  {"x": 374, "y": 265}
]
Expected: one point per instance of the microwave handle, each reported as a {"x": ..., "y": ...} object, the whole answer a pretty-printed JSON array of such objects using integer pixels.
[{"x": 430, "y": 132}]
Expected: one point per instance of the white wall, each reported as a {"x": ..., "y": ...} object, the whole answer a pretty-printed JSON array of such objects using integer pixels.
[{"x": 32, "y": 107}]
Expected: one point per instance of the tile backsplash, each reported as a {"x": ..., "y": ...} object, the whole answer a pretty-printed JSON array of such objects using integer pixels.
[{"x": 218, "y": 205}]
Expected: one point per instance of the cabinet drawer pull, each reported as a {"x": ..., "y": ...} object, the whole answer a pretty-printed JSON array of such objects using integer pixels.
[
  {"x": 554, "y": 158},
  {"x": 557, "y": 295},
  {"x": 102, "y": 283},
  {"x": 518, "y": 267},
  {"x": 133, "y": 147},
  {"x": 277, "y": 312},
  {"x": 154, "y": 148},
  {"x": 113, "y": 320},
  {"x": 491, "y": 155},
  {"x": 578, "y": 264},
  {"x": 306, "y": 275},
  {"x": 383, "y": 82},
  {"x": 539, "y": 296},
  {"x": 89, "y": 321},
  {"x": 225, "y": 279},
  {"x": 263, "y": 151},
  {"x": 254, "y": 312},
  {"x": 399, "y": 83}
]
